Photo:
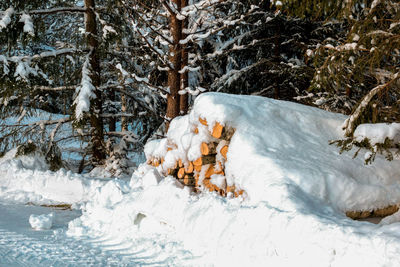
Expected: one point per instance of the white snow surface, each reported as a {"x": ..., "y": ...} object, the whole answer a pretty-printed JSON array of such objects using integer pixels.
[
  {"x": 26, "y": 179},
  {"x": 41, "y": 222},
  {"x": 378, "y": 132},
  {"x": 292, "y": 214}
]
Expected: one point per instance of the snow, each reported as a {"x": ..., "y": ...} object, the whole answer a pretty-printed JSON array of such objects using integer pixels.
[
  {"x": 26, "y": 179},
  {"x": 28, "y": 24},
  {"x": 41, "y": 222},
  {"x": 297, "y": 186},
  {"x": 85, "y": 91},
  {"x": 6, "y": 19},
  {"x": 378, "y": 132}
]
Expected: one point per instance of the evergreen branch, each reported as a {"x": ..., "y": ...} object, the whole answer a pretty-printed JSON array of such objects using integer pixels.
[{"x": 350, "y": 124}]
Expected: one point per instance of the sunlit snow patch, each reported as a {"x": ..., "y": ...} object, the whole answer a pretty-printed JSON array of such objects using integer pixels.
[{"x": 41, "y": 222}]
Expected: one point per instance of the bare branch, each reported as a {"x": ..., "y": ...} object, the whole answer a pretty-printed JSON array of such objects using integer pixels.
[
  {"x": 57, "y": 10},
  {"x": 59, "y": 88},
  {"x": 165, "y": 4}
]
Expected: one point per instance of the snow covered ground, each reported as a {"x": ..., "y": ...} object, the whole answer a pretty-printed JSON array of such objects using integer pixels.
[{"x": 297, "y": 186}]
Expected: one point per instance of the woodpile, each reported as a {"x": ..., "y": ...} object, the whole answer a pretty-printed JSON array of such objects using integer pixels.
[{"x": 207, "y": 172}]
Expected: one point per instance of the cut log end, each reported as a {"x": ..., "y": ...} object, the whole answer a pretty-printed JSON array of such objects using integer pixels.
[
  {"x": 224, "y": 151},
  {"x": 203, "y": 121},
  {"x": 181, "y": 173},
  {"x": 217, "y": 130},
  {"x": 204, "y": 160},
  {"x": 207, "y": 149},
  {"x": 189, "y": 168}
]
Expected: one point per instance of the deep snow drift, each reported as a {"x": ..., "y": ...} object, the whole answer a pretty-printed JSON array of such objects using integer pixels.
[{"x": 297, "y": 190}]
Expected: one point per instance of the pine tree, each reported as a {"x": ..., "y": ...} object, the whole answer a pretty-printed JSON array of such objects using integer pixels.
[
  {"x": 362, "y": 69},
  {"x": 50, "y": 58}
]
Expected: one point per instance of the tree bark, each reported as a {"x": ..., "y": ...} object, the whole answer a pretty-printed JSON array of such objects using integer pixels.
[
  {"x": 96, "y": 121},
  {"x": 184, "y": 99},
  {"x": 124, "y": 109},
  {"x": 175, "y": 55}
]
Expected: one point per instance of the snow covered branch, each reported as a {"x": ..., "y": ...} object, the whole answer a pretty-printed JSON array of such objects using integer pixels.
[
  {"x": 57, "y": 10},
  {"x": 59, "y": 88},
  {"x": 6, "y": 18},
  {"x": 350, "y": 123},
  {"x": 85, "y": 91}
]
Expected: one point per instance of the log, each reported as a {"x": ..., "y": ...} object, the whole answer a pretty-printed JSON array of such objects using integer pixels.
[
  {"x": 213, "y": 169},
  {"x": 209, "y": 172},
  {"x": 197, "y": 168},
  {"x": 203, "y": 121},
  {"x": 207, "y": 149},
  {"x": 386, "y": 211},
  {"x": 227, "y": 133},
  {"x": 219, "y": 168},
  {"x": 217, "y": 130},
  {"x": 180, "y": 163},
  {"x": 358, "y": 214},
  {"x": 189, "y": 180},
  {"x": 172, "y": 172},
  {"x": 197, "y": 177},
  {"x": 224, "y": 151},
  {"x": 196, "y": 130},
  {"x": 181, "y": 173},
  {"x": 207, "y": 183},
  {"x": 383, "y": 212},
  {"x": 230, "y": 189},
  {"x": 204, "y": 160},
  {"x": 189, "y": 168},
  {"x": 239, "y": 193}
]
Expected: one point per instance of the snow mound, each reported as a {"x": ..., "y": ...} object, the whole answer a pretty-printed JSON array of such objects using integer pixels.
[
  {"x": 26, "y": 179},
  {"x": 297, "y": 185},
  {"x": 281, "y": 146},
  {"x": 41, "y": 222}
]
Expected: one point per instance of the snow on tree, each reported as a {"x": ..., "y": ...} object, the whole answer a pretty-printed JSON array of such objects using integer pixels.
[
  {"x": 362, "y": 68},
  {"x": 44, "y": 61}
]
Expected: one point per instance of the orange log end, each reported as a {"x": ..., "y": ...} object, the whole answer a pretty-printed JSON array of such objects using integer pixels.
[
  {"x": 203, "y": 121},
  {"x": 224, "y": 151},
  {"x": 217, "y": 130},
  {"x": 181, "y": 173}
]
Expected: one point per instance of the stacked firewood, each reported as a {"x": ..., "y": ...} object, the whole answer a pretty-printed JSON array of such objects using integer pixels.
[{"x": 207, "y": 171}]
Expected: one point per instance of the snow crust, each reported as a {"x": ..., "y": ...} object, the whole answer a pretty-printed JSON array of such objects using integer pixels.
[
  {"x": 41, "y": 222},
  {"x": 297, "y": 190}
]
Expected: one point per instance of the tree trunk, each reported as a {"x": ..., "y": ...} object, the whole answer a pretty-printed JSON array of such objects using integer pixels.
[
  {"x": 96, "y": 121},
  {"x": 112, "y": 122},
  {"x": 184, "y": 99},
  {"x": 175, "y": 55},
  {"x": 124, "y": 123}
]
